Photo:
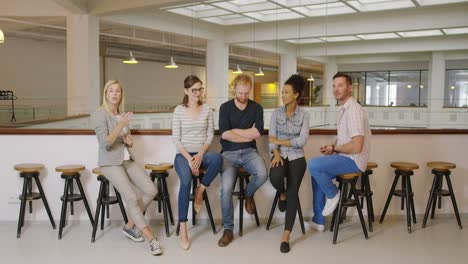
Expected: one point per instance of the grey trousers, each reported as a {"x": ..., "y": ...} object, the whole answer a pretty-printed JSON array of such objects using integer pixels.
[{"x": 135, "y": 186}]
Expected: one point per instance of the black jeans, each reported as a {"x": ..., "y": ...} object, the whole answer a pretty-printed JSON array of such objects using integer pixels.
[{"x": 293, "y": 171}]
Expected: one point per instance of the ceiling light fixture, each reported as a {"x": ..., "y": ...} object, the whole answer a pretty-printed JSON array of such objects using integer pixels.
[
  {"x": 172, "y": 64},
  {"x": 2, "y": 37},
  {"x": 238, "y": 70},
  {"x": 131, "y": 58},
  {"x": 260, "y": 72}
]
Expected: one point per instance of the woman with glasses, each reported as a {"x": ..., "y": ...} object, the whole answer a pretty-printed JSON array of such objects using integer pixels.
[{"x": 192, "y": 133}]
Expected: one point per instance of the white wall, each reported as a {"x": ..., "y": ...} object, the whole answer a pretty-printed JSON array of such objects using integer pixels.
[
  {"x": 59, "y": 150},
  {"x": 36, "y": 71},
  {"x": 149, "y": 82}
]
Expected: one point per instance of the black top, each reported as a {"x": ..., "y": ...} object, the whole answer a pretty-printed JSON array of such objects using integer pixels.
[{"x": 231, "y": 117}]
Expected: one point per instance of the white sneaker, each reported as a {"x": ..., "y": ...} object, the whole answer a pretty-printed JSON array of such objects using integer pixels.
[
  {"x": 316, "y": 227},
  {"x": 331, "y": 204},
  {"x": 155, "y": 247}
]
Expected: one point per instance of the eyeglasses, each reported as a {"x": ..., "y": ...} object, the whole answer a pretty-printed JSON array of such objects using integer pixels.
[{"x": 199, "y": 90}]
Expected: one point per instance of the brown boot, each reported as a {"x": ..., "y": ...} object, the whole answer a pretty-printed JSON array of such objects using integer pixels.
[
  {"x": 226, "y": 239},
  {"x": 249, "y": 204}
]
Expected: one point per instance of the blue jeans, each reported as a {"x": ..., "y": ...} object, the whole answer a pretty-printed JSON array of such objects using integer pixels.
[
  {"x": 211, "y": 161},
  {"x": 323, "y": 170},
  {"x": 253, "y": 163}
]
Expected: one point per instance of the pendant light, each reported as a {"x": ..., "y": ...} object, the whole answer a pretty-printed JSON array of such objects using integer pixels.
[
  {"x": 2, "y": 37},
  {"x": 260, "y": 72},
  {"x": 131, "y": 58},
  {"x": 172, "y": 64},
  {"x": 238, "y": 70}
]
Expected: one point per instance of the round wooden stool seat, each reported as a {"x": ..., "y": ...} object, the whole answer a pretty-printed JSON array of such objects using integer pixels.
[
  {"x": 97, "y": 171},
  {"x": 371, "y": 165},
  {"x": 159, "y": 167},
  {"x": 349, "y": 176},
  {"x": 29, "y": 167},
  {"x": 440, "y": 165},
  {"x": 70, "y": 169},
  {"x": 404, "y": 166}
]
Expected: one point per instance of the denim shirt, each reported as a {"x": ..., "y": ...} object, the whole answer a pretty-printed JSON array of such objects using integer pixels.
[{"x": 296, "y": 129}]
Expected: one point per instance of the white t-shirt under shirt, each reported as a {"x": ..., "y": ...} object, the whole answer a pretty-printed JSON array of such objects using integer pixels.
[{"x": 192, "y": 133}]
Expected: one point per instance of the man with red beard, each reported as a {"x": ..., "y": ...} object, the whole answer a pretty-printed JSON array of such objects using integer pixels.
[{"x": 240, "y": 124}]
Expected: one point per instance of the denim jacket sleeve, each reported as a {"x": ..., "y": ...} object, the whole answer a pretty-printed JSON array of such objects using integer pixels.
[
  {"x": 301, "y": 140},
  {"x": 272, "y": 131}
]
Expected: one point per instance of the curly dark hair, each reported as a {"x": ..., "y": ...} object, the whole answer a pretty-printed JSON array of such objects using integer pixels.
[{"x": 297, "y": 82}]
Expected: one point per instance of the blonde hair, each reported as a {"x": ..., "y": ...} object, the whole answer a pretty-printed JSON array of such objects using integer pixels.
[
  {"x": 242, "y": 79},
  {"x": 105, "y": 105}
]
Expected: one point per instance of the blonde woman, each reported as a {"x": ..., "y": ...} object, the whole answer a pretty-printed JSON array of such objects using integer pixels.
[
  {"x": 111, "y": 125},
  {"x": 192, "y": 133}
]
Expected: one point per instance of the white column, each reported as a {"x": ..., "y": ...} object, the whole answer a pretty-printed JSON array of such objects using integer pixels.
[
  {"x": 288, "y": 66},
  {"x": 331, "y": 68},
  {"x": 217, "y": 72},
  {"x": 435, "y": 94},
  {"x": 83, "y": 91}
]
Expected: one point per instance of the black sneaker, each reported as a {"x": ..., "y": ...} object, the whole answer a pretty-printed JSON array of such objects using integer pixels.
[
  {"x": 284, "y": 248},
  {"x": 132, "y": 234},
  {"x": 282, "y": 205}
]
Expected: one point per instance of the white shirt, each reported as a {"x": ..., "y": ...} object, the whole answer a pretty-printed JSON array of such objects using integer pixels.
[{"x": 353, "y": 121}]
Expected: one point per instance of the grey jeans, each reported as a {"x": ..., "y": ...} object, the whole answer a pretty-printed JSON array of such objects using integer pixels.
[{"x": 135, "y": 186}]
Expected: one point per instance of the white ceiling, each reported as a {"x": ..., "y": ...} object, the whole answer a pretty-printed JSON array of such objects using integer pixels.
[{"x": 236, "y": 12}]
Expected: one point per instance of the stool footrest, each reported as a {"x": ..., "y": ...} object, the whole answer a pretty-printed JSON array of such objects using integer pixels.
[
  {"x": 72, "y": 197},
  {"x": 362, "y": 193},
  {"x": 109, "y": 200},
  {"x": 442, "y": 192},
  {"x": 401, "y": 193},
  {"x": 31, "y": 196}
]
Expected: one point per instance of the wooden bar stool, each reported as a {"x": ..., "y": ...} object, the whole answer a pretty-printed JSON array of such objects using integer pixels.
[
  {"x": 347, "y": 201},
  {"x": 70, "y": 173},
  {"x": 405, "y": 170},
  {"x": 159, "y": 173},
  {"x": 366, "y": 192},
  {"x": 103, "y": 202},
  {"x": 441, "y": 170},
  {"x": 273, "y": 209},
  {"x": 243, "y": 177},
  {"x": 195, "y": 181},
  {"x": 29, "y": 171}
]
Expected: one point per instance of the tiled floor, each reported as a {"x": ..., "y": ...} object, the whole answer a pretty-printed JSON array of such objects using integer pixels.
[{"x": 440, "y": 242}]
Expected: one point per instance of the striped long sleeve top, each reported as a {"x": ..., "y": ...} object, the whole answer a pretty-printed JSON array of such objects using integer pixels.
[{"x": 192, "y": 133}]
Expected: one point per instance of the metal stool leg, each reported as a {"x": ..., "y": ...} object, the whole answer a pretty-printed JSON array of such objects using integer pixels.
[
  {"x": 96, "y": 216},
  {"x": 164, "y": 203},
  {"x": 272, "y": 211},
  {"x": 64, "y": 208},
  {"x": 22, "y": 208},
  {"x": 389, "y": 198},
  {"x": 44, "y": 200},
  {"x": 454, "y": 202},
  {"x": 85, "y": 201}
]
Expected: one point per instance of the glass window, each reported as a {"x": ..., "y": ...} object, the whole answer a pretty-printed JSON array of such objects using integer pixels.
[
  {"x": 390, "y": 88},
  {"x": 456, "y": 88},
  {"x": 407, "y": 85},
  {"x": 377, "y": 89}
]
